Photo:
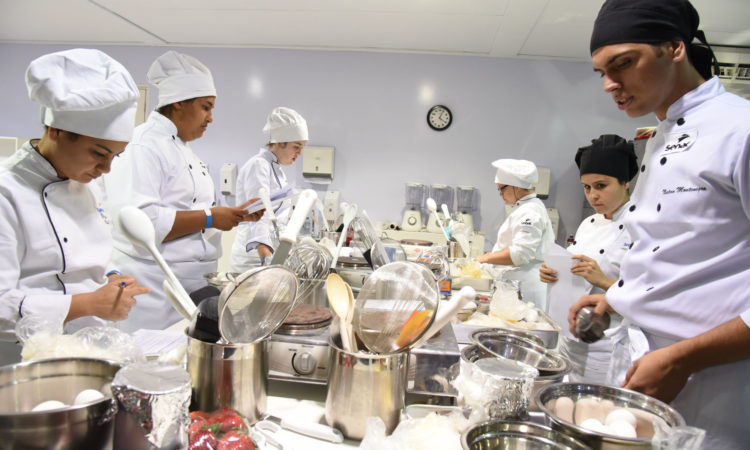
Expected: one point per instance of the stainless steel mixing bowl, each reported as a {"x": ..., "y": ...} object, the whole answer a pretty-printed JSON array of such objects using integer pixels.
[
  {"x": 520, "y": 349},
  {"x": 621, "y": 398},
  {"x": 517, "y": 435},
  {"x": 25, "y": 385}
]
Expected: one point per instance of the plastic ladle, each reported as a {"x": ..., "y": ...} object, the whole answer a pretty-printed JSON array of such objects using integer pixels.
[
  {"x": 339, "y": 301},
  {"x": 138, "y": 228},
  {"x": 446, "y": 312},
  {"x": 446, "y": 213},
  {"x": 432, "y": 206}
]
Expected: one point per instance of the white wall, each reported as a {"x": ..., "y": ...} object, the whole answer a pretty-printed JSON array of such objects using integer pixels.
[{"x": 370, "y": 106}]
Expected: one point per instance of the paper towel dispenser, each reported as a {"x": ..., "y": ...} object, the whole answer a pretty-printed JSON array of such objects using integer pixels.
[
  {"x": 317, "y": 163},
  {"x": 542, "y": 186},
  {"x": 228, "y": 178}
]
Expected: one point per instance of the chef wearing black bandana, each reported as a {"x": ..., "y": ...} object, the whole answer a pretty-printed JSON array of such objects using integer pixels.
[{"x": 686, "y": 279}]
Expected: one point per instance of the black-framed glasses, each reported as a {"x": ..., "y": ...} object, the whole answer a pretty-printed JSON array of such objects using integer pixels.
[{"x": 501, "y": 189}]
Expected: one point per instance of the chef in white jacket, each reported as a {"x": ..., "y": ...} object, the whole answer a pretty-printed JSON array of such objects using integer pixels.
[
  {"x": 54, "y": 236},
  {"x": 160, "y": 174},
  {"x": 685, "y": 279},
  {"x": 606, "y": 168},
  {"x": 526, "y": 235},
  {"x": 287, "y": 136}
]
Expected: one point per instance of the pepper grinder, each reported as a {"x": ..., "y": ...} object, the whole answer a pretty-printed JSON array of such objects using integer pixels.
[{"x": 590, "y": 328}]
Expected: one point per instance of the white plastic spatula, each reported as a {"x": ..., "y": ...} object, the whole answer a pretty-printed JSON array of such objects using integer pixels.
[
  {"x": 350, "y": 212},
  {"x": 138, "y": 228},
  {"x": 446, "y": 213},
  {"x": 322, "y": 210},
  {"x": 432, "y": 206},
  {"x": 288, "y": 237},
  {"x": 446, "y": 312}
]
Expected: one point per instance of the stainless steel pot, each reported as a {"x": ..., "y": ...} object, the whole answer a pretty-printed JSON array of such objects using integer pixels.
[
  {"x": 24, "y": 385},
  {"x": 234, "y": 375},
  {"x": 362, "y": 385},
  {"x": 517, "y": 435}
]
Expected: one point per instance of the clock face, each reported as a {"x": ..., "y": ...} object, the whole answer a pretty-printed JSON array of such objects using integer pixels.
[{"x": 439, "y": 117}]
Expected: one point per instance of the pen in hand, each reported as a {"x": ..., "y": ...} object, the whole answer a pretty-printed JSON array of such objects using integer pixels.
[{"x": 119, "y": 294}]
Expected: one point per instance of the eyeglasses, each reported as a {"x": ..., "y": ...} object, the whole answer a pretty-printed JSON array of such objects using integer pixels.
[{"x": 501, "y": 189}]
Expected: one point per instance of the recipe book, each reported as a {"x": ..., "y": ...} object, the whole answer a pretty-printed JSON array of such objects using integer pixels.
[{"x": 276, "y": 196}]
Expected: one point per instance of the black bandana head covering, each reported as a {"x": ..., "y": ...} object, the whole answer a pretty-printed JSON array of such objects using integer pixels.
[
  {"x": 651, "y": 22},
  {"x": 609, "y": 154}
]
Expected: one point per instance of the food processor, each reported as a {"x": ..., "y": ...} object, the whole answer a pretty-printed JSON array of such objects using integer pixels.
[
  {"x": 415, "y": 194},
  {"x": 466, "y": 201},
  {"x": 442, "y": 194}
]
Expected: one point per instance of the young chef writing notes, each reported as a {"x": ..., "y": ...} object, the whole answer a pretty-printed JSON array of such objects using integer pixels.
[
  {"x": 526, "y": 235},
  {"x": 685, "y": 279},
  {"x": 606, "y": 168},
  {"x": 161, "y": 175},
  {"x": 287, "y": 136},
  {"x": 54, "y": 236}
]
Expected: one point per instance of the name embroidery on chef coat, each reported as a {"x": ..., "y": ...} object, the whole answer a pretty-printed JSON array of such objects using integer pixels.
[{"x": 679, "y": 142}]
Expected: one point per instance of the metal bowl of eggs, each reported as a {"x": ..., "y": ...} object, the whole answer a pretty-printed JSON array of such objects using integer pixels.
[
  {"x": 517, "y": 435},
  {"x": 63, "y": 403},
  {"x": 605, "y": 417}
]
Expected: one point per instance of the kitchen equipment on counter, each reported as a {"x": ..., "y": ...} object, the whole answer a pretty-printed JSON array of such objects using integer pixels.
[
  {"x": 549, "y": 337},
  {"x": 355, "y": 271},
  {"x": 138, "y": 228},
  {"x": 415, "y": 195},
  {"x": 373, "y": 250},
  {"x": 305, "y": 319},
  {"x": 24, "y": 385},
  {"x": 517, "y": 435},
  {"x": 342, "y": 305},
  {"x": 519, "y": 349},
  {"x": 204, "y": 324},
  {"x": 467, "y": 199},
  {"x": 645, "y": 408},
  {"x": 234, "y": 375},
  {"x": 446, "y": 312},
  {"x": 315, "y": 430},
  {"x": 432, "y": 207},
  {"x": 350, "y": 212},
  {"x": 590, "y": 328},
  {"x": 266, "y": 199},
  {"x": 220, "y": 279},
  {"x": 153, "y": 399},
  {"x": 395, "y": 306},
  {"x": 440, "y": 193},
  {"x": 288, "y": 237},
  {"x": 362, "y": 385},
  {"x": 311, "y": 263}
]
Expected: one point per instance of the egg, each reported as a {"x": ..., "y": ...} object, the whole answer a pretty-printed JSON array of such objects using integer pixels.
[
  {"x": 564, "y": 408},
  {"x": 622, "y": 428},
  {"x": 589, "y": 408},
  {"x": 49, "y": 404},
  {"x": 594, "y": 425},
  {"x": 87, "y": 396},
  {"x": 620, "y": 415}
]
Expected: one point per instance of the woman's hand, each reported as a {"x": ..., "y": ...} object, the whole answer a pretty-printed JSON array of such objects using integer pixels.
[
  {"x": 227, "y": 217},
  {"x": 590, "y": 271},
  {"x": 547, "y": 274},
  {"x": 658, "y": 374},
  {"x": 112, "y": 301},
  {"x": 264, "y": 252},
  {"x": 598, "y": 301}
]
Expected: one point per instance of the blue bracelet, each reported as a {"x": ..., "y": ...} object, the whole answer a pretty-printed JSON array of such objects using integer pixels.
[
  {"x": 209, "y": 218},
  {"x": 112, "y": 272}
]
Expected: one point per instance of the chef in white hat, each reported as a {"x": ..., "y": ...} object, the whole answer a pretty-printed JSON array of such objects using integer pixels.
[
  {"x": 56, "y": 240},
  {"x": 161, "y": 175},
  {"x": 287, "y": 136},
  {"x": 526, "y": 235}
]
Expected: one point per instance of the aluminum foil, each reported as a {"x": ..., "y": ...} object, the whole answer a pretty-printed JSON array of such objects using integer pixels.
[
  {"x": 157, "y": 396},
  {"x": 495, "y": 388}
]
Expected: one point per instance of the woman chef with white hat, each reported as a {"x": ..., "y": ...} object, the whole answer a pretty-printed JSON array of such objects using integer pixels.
[
  {"x": 54, "y": 236},
  {"x": 526, "y": 235},
  {"x": 287, "y": 135},
  {"x": 161, "y": 175}
]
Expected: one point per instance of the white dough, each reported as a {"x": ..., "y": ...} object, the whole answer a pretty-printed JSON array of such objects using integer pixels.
[
  {"x": 49, "y": 404},
  {"x": 87, "y": 396},
  {"x": 594, "y": 425},
  {"x": 620, "y": 415},
  {"x": 622, "y": 428}
]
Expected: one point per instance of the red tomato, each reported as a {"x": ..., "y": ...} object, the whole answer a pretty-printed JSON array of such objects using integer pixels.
[
  {"x": 229, "y": 422},
  {"x": 203, "y": 440},
  {"x": 197, "y": 425},
  {"x": 195, "y": 415},
  {"x": 236, "y": 440}
]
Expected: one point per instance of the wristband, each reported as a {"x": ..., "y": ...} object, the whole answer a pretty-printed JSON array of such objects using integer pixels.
[
  {"x": 113, "y": 272},
  {"x": 209, "y": 219}
]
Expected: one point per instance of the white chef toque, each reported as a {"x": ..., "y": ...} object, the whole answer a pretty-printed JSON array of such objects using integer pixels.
[
  {"x": 86, "y": 92},
  {"x": 516, "y": 172},
  {"x": 285, "y": 125},
  {"x": 180, "y": 77}
]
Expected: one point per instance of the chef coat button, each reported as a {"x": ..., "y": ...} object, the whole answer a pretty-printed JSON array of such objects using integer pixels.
[
  {"x": 655, "y": 248},
  {"x": 213, "y": 204},
  {"x": 643, "y": 168},
  {"x": 620, "y": 283},
  {"x": 193, "y": 200},
  {"x": 575, "y": 242},
  {"x": 658, "y": 207},
  {"x": 65, "y": 239},
  {"x": 631, "y": 245},
  {"x": 601, "y": 251},
  {"x": 190, "y": 165},
  {"x": 653, "y": 134},
  {"x": 621, "y": 225},
  {"x": 632, "y": 208},
  {"x": 663, "y": 161},
  {"x": 45, "y": 194},
  {"x": 204, "y": 173},
  {"x": 173, "y": 138},
  {"x": 203, "y": 231},
  {"x": 592, "y": 220},
  {"x": 680, "y": 121}
]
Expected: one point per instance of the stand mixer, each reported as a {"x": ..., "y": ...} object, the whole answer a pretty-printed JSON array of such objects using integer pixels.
[
  {"x": 441, "y": 193},
  {"x": 415, "y": 194},
  {"x": 466, "y": 200}
]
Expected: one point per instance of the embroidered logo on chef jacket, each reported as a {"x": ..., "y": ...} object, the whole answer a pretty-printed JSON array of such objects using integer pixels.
[
  {"x": 526, "y": 221},
  {"x": 103, "y": 215},
  {"x": 679, "y": 142}
]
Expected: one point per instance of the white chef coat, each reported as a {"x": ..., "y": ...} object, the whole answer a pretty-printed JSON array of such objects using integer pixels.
[
  {"x": 605, "y": 241},
  {"x": 689, "y": 266},
  {"x": 262, "y": 170},
  {"x": 159, "y": 173},
  {"x": 55, "y": 241},
  {"x": 527, "y": 231}
]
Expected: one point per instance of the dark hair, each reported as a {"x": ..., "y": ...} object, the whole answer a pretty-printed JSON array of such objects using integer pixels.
[{"x": 167, "y": 110}]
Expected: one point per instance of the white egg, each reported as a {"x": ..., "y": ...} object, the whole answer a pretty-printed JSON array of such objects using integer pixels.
[
  {"x": 87, "y": 396},
  {"x": 564, "y": 408},
  {"x": 620, "y": 415},
  {"x": 49, "y": 404},
  {"x": 622, "y": 428},
  {"x": 594, "y": 425}
]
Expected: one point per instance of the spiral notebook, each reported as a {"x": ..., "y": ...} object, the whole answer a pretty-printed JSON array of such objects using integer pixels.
[{"x": 276, "y": 196}]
